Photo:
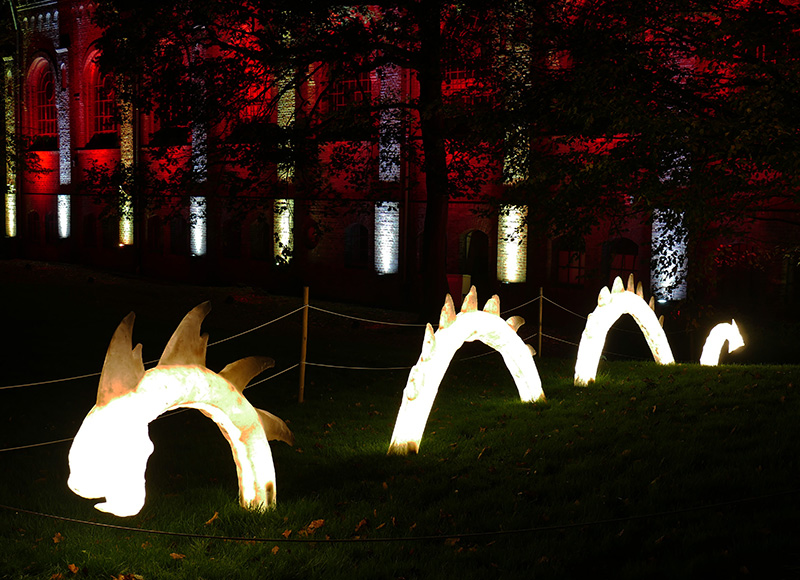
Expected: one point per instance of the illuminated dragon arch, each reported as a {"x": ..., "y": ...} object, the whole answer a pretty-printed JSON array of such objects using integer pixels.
[
  {"x": 725, "y": 331},
  {"x": 109, "y": 454},
  {"x": 611, "y": 304},
  {"x": 438, "y": 349}
]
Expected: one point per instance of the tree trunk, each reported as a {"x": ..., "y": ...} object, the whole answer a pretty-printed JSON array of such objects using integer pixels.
[{"x": 434, "y": 237}]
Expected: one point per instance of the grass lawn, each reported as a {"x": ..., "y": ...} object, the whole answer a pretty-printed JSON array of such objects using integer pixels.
[{"x": 653, "y": 472}]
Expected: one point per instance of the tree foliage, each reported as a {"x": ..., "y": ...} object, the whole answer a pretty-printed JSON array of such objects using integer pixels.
[{"x": 587, "y": 111}]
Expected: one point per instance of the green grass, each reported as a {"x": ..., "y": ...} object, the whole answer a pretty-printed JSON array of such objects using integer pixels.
[
  {"x": 643, "y": 440},
  {"x": 602, "y": 481}
]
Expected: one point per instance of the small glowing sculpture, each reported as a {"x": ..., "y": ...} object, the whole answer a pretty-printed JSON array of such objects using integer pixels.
[
  {"x": 437, "y": 351},
  {"x": 109, "y": 454},
  {"x": 611, "y": 304},
  {"x": 716, "y": 339}
]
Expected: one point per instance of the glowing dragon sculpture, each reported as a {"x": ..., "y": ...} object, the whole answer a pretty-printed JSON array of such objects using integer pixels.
[
  {"x": 109, "y": 454},
  {"x": 716, "y": 340},
  {"x": 437, "y": 351},
  {"x": 611, "y": 304}
]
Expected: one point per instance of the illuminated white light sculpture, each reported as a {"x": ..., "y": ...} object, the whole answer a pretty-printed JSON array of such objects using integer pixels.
[
  {"x": 437, "y": 351},
  {"x": 512, "y": 244},
  {"x": 197, "y": 225},
  {"x": 716, "y": 339},
  {"x": 387, "y": 237},
  {"x": 109, "y": 454},
  {"x": 611, "y": 304}
]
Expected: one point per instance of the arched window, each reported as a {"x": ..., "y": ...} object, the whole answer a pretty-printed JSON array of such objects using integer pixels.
[
  {"x": 356, "y": 246},
  {"x": 103, "y": 113},
  {"x": 569, "y": 259},
  {"x": 619, "y": 257},
  {"x": 474, "y": 258},
  {"x": 43, "y": 123},
  {"x": 46, "y": 125}
]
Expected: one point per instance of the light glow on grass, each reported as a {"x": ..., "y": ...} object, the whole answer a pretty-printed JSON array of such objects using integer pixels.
[
  {"x": 725, "y": 331},
  {"x": 611, "y": 304},
  {"x": 437, "y": 351},
  {"x": 109, "y": 454}
]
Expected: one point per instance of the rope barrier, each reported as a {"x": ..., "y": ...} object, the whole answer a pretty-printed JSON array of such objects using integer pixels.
[
  {"x": 426, "y": 538},
  {"x": 167, "y": 414},
  {"x": 564, "y": 308},
  {"x": 259, "y": 327},
  {"x": 51, "y": 381},
  {"x": 36, "y": 444},
  {"x": 317, "y": 308},
  {"x": 150, "y": 362},
  {"x": 520, "y": 306},
  {"x": 327, "y": 366},
  {"x": 269, "y": 378},
  {"x": 559, "y": 339}
]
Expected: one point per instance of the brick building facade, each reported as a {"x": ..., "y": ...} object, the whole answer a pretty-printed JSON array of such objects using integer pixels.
[{"x": 58, "y": 104}]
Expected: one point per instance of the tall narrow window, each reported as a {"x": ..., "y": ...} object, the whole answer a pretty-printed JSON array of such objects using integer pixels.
[
  {"x": 103, "y": 118},
  {"x": 45, "y": 104}
]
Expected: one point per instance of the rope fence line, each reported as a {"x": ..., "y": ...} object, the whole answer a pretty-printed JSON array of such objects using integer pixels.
[
  {"x": 333, "y": 313},
  {"x": 167, "y": 414},
  {"x": 421, "y": 538},
  {"x": 327, "y": 366},
  {"x": 564, "y": 308},
  {"x": 383, "y": 322},
  {"x": 259, "y": 327}
]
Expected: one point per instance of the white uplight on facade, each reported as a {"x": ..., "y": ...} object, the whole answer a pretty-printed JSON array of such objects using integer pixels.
[
  {"x": 199, "y": 152},
  {"x": 512, "y": 244},
  {"x": 63, "y": 213},
  {"x": 197, "y": 225},
  {"x": 62, "y": 118},
  {"x": 283, "y": 222},
  {"x": 611, "y": 304},
  {"x": 109, "y": 454},
  {"x": 670, "y": 262},
  {"x": 11, "y": 213},
  {"x": 725, "y": 331},
  {"x": 438, "y": 350},
  {"x": 286, "y": 117},
  {"x": 387, "y": 237},
  {"x": 390, "y": 126},
  {"x": 126, "y": 166},
  {"x": 125, "y": 218},
  {"x": 10, "y": 168}
]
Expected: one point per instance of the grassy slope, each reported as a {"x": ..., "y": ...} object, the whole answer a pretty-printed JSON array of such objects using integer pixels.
[{"x": 643, "y": 440}]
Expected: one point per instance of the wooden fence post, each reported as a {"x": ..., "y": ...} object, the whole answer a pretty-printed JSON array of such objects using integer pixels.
[
  {"x": 303, "y": 344},
  {"x": 541, "y": 301}
]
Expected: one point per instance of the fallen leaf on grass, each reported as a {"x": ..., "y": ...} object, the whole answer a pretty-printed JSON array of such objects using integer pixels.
[
  {"x": 176, "y": 556},
  {"x": 275, "y": 550},
  {"x": 58, "y": 538},
  {"x": 451, "y": 541},
  {"x": 57, "y": 576},
  {"x": 361, "y": 525},
  {"x": 73, "y": 568},
  {"x": 311, "y": 528},
  {"x": 286, "y": 534},
  {"x": 214, "y": 518}
]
